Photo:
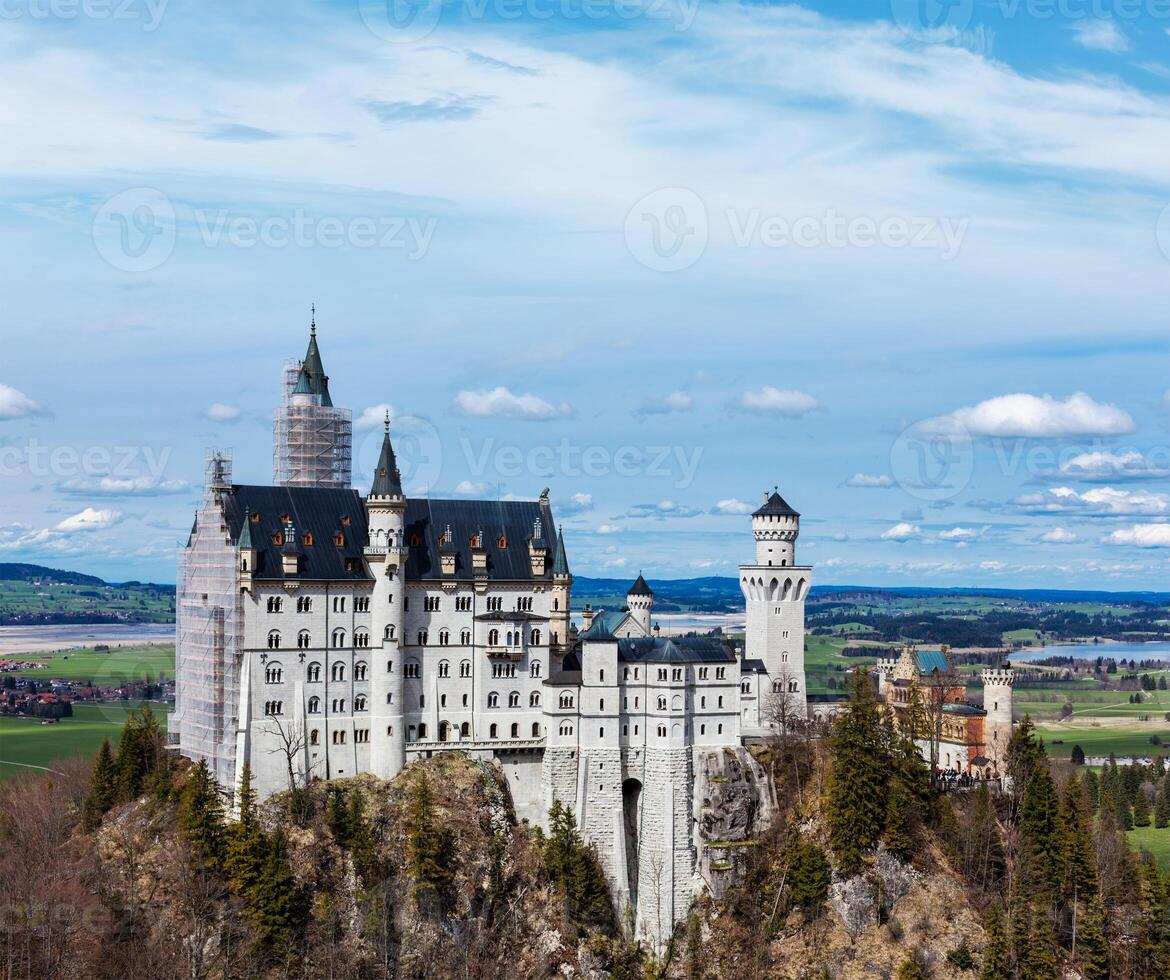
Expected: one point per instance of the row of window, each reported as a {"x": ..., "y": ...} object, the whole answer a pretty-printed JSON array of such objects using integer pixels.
[
  {"x": 361, "y": 639},
  {"x": 420, "y": 732},
  {"x": 305, "y": 604},
  {"x": 673, "y": 673}
]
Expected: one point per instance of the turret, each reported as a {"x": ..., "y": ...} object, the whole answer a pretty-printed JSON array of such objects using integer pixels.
[
  {"x": 290, "y": 552},
  {"x": 640, "y": 601},
  {"x": 386, "y": 556},
  {"x": 247, "y": 553},
  {"x": 998, "y": 685},
  {"x": 561, "y": 595},
  {"x": 776, "y": 526}
]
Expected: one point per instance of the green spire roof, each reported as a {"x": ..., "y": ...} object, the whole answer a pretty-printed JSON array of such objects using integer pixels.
[
  {"x": 313, "y": 379},
  {"x": 387, "y": 480},
  {"x": 245, "y": 541},
  {"x": 561, "y": 561}
]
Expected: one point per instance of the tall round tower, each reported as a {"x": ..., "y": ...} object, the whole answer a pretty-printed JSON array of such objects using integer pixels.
[
  {"x": 640, "y": 601},
  {"x": 776, "y": 526},
  {"x": 997, "y": 702},
  {"x": 386, "y": 555}
]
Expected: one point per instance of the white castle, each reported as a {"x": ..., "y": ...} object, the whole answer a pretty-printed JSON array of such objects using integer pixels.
[{"x": 323, "y": 634}]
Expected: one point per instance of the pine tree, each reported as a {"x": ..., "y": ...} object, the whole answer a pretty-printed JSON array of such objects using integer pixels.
[
  {"x": 995, "y": 953},
  {"x": 911, "y": 969},
  {"x": 1039, "y": 959},
  {"x": 1078, "y": 870},
  {"x": 1141, "y": 809},
  {"x": 1039, "y": 839},
  {"x": 1092, "y": 784},
  {"x": 201, "y": 816},
  {"x": 856, "y": 813},
  {"x": 1162, "y": 806},
  {"x": 808, "y": 875},
  {"x": 245, "y": 846},
  {"x": 896, "y": 835},
  {"x": 428, "y": 852},
  {"x": 139, "y": 752},
  {"x": 1077, "y": 756},
  {"x": 276, "y": 903},
  {"x": 1092, "y": 944},
  {"x": 103, "y": 789}
]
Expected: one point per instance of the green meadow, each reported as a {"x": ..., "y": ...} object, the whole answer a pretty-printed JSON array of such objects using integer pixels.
[{"x": 108, "y": 668}]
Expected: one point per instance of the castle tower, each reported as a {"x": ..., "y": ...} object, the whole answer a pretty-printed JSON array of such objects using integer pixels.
[
  {"x": 386, "y": 554},
  {"x": 775, "y": 589},
  {"x": 312, "y": 441},
  {"x": 997, "y": 702},
  {"x": 561, "y": 598},
  {"x": 640, "y": 601}
]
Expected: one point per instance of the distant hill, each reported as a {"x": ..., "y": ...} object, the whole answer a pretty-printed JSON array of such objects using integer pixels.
[
  {"x": 31, "y": 573},
  {"x": 36, "y": 595}
]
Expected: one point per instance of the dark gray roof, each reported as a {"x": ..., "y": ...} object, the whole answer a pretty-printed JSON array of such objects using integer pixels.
[
  {"x": 513, "y": 520},
  {"x": 640, "y": 587},
  {"x": 561, "y": 561},
  {"x": 775, "y": 506},
  {"x": 599, "y": 630},
  {"x": 754, "y": 667},
  {"x": 675, "y": 649},
  {"x": 569, "y": 671},
  {"x": 387, "y": 480},
  {"x": 962, "y": 709},
  {"x": 318, "y": 511}
]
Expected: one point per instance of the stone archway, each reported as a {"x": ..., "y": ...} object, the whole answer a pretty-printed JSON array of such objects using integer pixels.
[{"x": 632, "y": 822}]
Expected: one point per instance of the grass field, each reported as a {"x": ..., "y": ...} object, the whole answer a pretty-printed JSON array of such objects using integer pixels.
[
  {"x": 1157, "y": 842},
  {"x": 24, "y": 600},
  {"x": 107, "y": 667},
  {"x": 28, "y": 743},
  {"x": 1124, "y": 739}
]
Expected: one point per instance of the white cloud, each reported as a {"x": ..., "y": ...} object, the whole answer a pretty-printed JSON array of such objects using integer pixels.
[
  {"x": 219, "y": 412},
  {"x": 731, "y": 506},
  {"x": 1058, "y": 535},
  {"x": 866, "y": 481},
  {"x": 1141, "y": 536},
  {"x": 17, "y": 405},
  {"x": 470, "y": 488},
  {"x": 1100, "y": 501},
  {"x": 373, "y": 417},
  {"x": 1099, "y": 465},
  {"x": 661, "y": 510},
  {"x": 90, "y": 520},
  {"x": 579, "y": 503},
  {"x": 131, "y": 486},
  {"x": 676, "y": 401},
  {"x": 1100, "y": 34},
  {"x": 503, "y": 403},
  {"x": 960, "y": 534},
  {"x": 609, "y": 529},
  {"x": 774, "y": 401},
  {"x": 1043, "y": 417},
  {"x": 902, "y": 532}
]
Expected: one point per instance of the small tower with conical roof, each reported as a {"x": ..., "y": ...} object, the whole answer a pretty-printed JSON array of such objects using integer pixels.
[
  {"x": 386, "y": 555},
  {"x": 312, "y": 443},
  {"x": 561, "y": 597},
  {"x": 640, "y": 602}
]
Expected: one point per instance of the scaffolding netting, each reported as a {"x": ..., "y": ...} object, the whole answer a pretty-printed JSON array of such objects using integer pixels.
[{"x": 312, "y": 443}]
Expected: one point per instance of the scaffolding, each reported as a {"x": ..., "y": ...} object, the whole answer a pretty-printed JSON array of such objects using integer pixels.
[
  {"x": 312, "y": 442},
  {"x": 209, "y": 618}
]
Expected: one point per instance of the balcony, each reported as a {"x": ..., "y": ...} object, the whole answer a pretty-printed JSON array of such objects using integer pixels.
[{"x": 506, "y": 653}]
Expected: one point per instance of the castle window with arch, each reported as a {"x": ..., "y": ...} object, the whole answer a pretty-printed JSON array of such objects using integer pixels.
[
  {"x": 534, "y": 669},
  {"x": 314, "y": 672},
  {"x": 566, "y": 699},
  {"x": 465, "y": 730},
  {"x": 274, "y": 640},
  {"x": 337, "y": 672},
  {"x": 338, "y": 638},
  {"x": 566, "y": 729},
  {"x": 536, "y": 729},
  {"x": 304, "y": 640},
  {"x": 444, "y": 637},
  {"x": 338, "y": 706},
  {"x": 662, "y": 673},
  {"x": 361, "y": 638},
  {"x": 411, "y": 669},
  {"x": 275, "y": 604},
  {"x": 494, "y": 731},
  {"x": 514, "y": 699},
  {"x": 359, "y": 703},
  {"x": 314, "y": 705},
  {"x": 422, "y": 730},
  {"x": 534, "y": 699},
  {"x": 444, "y": 668},
  {"x": 273, "y": 673},
  {"x": 360, "y": 670},
  {"x": 465, "y": 637},
  {"x": 314, "y": 737},
  {"x": 535, "y": 641},
  {"x": 661, "y": 703},
  {"x": 465, "y": 668},
  {"x": 304, "y": 604},
  {"x": 274, "y": 707},
  {"x": 422, "y": 638},
  {"x": 493, "y": 700},
  {"x": 515, "y": 730},
  {"x": 493, "y": 638},
  {"x": 388, "y": 633}
]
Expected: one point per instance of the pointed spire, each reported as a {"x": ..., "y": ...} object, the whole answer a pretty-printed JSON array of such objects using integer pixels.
[
  {"x": 387, "y": 480},
  {"x": 561, "y": 561},
  {"x": 245, "y": 542},
  {"x": 313, "y": 379},
  {"x": 640, "y": 587}
]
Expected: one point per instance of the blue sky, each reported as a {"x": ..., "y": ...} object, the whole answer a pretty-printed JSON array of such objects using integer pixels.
[{"x": 909, "y": 263}]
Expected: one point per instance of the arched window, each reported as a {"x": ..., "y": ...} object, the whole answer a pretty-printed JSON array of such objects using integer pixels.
[
  {"x": 314, "y": 705},
  {"x": 422, "y": 730},
  {"x": 493, "y": 700},
  {"x": 304, "y": 604},
  {"x": 274, "y": 640},
  {"x": 514, "y": 699},
  {"x": 465, "y": 668},
  {"x": 534, "y": 669},
  {"x": 337, "y": 671},
  {"x": 534, "y": 699},
  {"x": 465, "y": 637},
  {"x": 411, "y": 669},
  {"x": 515, "y": 730},
  {"x": 444, "y": 668},
  {"x": 535, "y": 641},
  {"x": 275, "y": 604},
  {"x": 388, "y": 633},
  {"x": 465, "y": 730},
  {"x": 422, "y": 638},
  {"x": 494, "y": 731},
  {"x": 273, "y": 673},
  {"x": 314, "y": 672},
  {"x": 359, "y": 703},
  {"x": 444, "y": 637},
  {"x": 361, "y": 638},
  {"x": 338, "y": 638},
  {"x": 566, "y": 728},
  {"x": 493, "y": 638},
  {"x": 566, "y": 699},
  {"x": 359, "y": 670},
  {"x": 661, "y": 702},
  {"x": 304, "y": 640},
  {"x": 314, "y": 737},
  {"x": 536, "y": 729}
]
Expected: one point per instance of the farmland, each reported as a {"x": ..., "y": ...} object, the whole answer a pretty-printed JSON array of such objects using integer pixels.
[{"x": 107, "y": 668}]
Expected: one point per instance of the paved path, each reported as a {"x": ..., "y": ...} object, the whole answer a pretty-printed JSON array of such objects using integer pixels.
[{"x": 26, "y": 765}]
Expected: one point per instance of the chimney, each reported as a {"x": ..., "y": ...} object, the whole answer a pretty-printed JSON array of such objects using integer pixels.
[{"x": 587, "y": 617}]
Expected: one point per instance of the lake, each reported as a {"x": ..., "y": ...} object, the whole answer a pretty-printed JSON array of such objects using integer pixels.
[
  {"x": 40, "y": 639},
  {"x": 1090, "y": 651}
]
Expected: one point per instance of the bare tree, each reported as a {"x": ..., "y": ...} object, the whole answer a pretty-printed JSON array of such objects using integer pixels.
[
  {"x": 291, "y": 741},
  {"x": 782, "y": 715}
]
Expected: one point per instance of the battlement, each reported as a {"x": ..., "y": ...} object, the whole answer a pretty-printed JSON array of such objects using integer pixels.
[{"x": 998, "y": 677}]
